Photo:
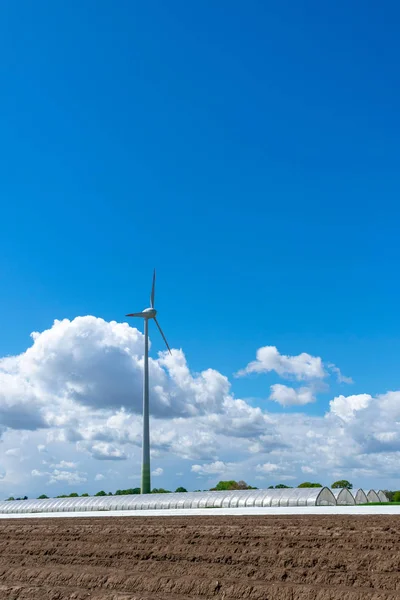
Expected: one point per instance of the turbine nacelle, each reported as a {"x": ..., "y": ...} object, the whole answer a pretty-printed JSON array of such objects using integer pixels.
[{"x": 151, "y": 313}]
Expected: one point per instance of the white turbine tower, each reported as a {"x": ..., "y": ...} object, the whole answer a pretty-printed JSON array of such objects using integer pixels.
[{"x": 148, "y": 313}]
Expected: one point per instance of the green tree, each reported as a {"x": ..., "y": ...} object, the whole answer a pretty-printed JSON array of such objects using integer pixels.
[
  {"x": 73, "y": 495},
  {"x": 42, "y": 497},
  {"x": 160, "y": 491},
  {"x": 396, "y": 496},
  {"x": 225, "y": 485},
  {"x": 127, "y": 492},
  {"x": 232, "y": 485},
  {"x": 342, "y": 483},
  {"x": 10, "y": 499},
  {"x": 180, "y": 489},
  {"x": 101, "y": 493},
  {"x": 282, "y": 486},
  {"x": 62, "y": 496},
  {"x": 308, "y": 484},
  {"x": 85, "y": 495}
]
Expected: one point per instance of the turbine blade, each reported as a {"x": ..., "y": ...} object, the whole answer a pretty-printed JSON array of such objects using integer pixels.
[
  {"x": 153, "y": 290},
  {"x": 136, "y": 315},
  {"x": 163, "y": 336}
]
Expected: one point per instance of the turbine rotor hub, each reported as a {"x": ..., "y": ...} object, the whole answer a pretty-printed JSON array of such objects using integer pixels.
[{"x": 149, "y": 313}]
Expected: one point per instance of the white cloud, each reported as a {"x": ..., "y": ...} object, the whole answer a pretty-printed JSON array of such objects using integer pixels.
[
  {"x": 99, "y": 477},
  {"x": 195, "y": 394},
  {"x": 288, "y": 396},
  {"x": 157, "y": 472},
  {"x": 16, "y": 452},
  {"x": 340, "y": 377},
  {"x": 57, "y": 476},
  {"x": 67, "y": 477},
  {"x": 267, "y": 468},
  {"x": 103, "y": 451},
  {"x": 89, "y": 362},
  {"x": 214, "y": 468},
  {"x": 346, "y": 407},
  {"x": 387, "y": 436},
  {"x": 303, "y": 366},
  {"x": 65, "y": 464},
  {"x": 308, "y": 470}
]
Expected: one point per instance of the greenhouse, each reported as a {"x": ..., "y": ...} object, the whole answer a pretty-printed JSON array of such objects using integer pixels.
[
  {"x": 372, "y": 496},
  {"x": 228, "y": 499},
  {"x": 360, "y": 496},
  {"x": 382, "y": 496},
  {"x": 343, "y": 497},
  {"x": 286, "y": 497}
]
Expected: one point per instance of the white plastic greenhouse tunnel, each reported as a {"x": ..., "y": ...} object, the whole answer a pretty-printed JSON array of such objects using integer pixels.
[
  {"x": 372, "y": 496},
  {"x": 275, "y": 498},
  {"x": 382, "y": 496},
  {"x": 228, "y": 499},
  {"x": 343, "y": 497},
  {"x": 360, "y": 496}
]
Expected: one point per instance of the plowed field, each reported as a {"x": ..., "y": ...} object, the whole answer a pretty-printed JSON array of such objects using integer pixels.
[{"x": 196, "y": 558}]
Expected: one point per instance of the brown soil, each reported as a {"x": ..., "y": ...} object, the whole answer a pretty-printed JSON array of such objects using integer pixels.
[{"x": 196, "y": 558}]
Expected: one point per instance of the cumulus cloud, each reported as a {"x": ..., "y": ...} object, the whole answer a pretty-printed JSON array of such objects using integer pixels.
[
  {"x": 239, "y": 419},
  {"x": 288, "y": 396},
  {"x": 202, "y": 393},
  {"x": 89, "y": 362},
  {"x": 67, "y": 477},
  {"x": 267, "y": 468},
  {"x": 16, "y": 452},
  {"x": 387, "y": 437},
  {"x": 306, "y": 469},
  {"x": 65, "y": 464},
  {"x": 102, "y": 451},
  {"x": 99, "y": 477},
  {"x": 303, "y": 366},
  {"x": 346, "y": 407},
  {"x": 20, "y": 408},
  {"x": 157, "y": 472},
  {"x": 57, "y": 476},
  {"x": 214, "y": 468}
]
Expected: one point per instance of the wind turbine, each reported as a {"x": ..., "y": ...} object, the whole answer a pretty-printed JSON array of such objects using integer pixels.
[{"x": 147, "y": 314}]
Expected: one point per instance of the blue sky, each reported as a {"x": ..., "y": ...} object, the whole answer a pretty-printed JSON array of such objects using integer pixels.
[{"x": 249, "y": 152}]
